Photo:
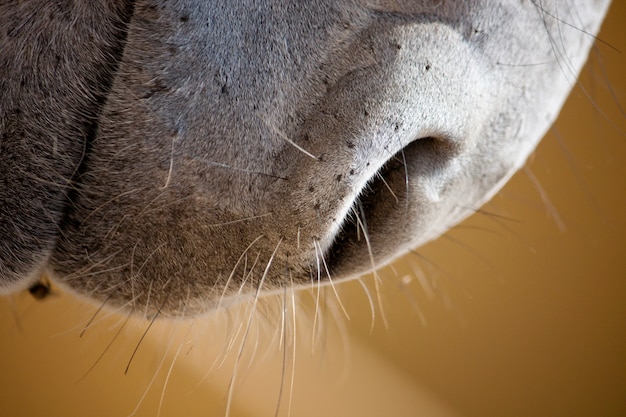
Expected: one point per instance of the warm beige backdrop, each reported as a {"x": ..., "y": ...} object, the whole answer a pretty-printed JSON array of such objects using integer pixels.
[{"x": 520, "y": 311}]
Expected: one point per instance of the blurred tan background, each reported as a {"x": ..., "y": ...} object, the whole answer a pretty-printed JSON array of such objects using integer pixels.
[{"x": 519, "y": 311}]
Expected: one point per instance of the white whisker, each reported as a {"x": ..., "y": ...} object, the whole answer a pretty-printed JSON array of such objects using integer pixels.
[
  {"x": 171, "y": 168},
  {"x": 370, "y": 301},
  {"x": 283, "y": 348},
  {"x": 154, "y": 376},
  {"x": 295, "y": 337},
  {"x": 169, "y": 371},
  {"x": 545, "y": 199},
  {"x": 330, "y": 280},
  {"x": 291, "y": 142},
  {"x": 232, "y": 273},
  {"x": 231, "y": 385},
  {"x": 382, "y": 178},
  {"x": 317, "y": 299},
  {"x": 374, "y": 270}
]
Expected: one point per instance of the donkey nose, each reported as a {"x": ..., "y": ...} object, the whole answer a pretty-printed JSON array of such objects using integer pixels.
[
  {"x": 399, "y": 148},
  {"x": 393, "y": 206}
]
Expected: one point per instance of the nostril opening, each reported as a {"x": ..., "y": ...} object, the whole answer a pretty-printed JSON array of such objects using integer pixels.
[
  {"x": 390, "y": 182},
  {"x": 387, "y": 194}
]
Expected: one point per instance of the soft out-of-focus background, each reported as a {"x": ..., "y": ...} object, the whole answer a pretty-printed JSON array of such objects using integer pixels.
[{"x": 519, "y": 311}]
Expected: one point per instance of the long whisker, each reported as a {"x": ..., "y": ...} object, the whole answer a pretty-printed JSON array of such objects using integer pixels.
[
  {"x": 423, "y": 280},
  {"x": 231, "y": 385},
  {"x": 443, "y": 272},
  {"x": 295, "y": 337},
  {"x": 317, "y": 299},
  {"x": 468, "y": 249},
  {"x": 488, "y": 213},
  {"x": 154, "y": 377},
  {"x": 110, "y": 312},
  {"x": 283, "y": 318},
  {"x": 219, "y": 360},
  {"x": 231, "y": 342},
  {"x": 16, "y": 317},
  {"x": 591, "y": 35},
  {"x": 171, "y": 168},
  {"x": 169, "y": 371},
  {"x": 545, "y": 199},
  {"x": 255, "y": 348},
  {"x": 291, "y": 142},
  {"x": 93, "y": 316},
  {"x": 330, "y": 280},
  {"x": 497, "y": 219},
  {"x": 247, "y": 171},
  {"x": 145, "y": 312},
  {"x": 370, "y": 301},
  {"x": 605, "y": 77},
  {"x": 343, "y": 335},
  {"x": 382, "y": 178},
  {"x": 374, "y": 271},
  {"x": 284, "y": 349},
  {"x": 230, "y": 277},
  {"x": 115, "y": 336},
  {"x": 565, "y": 63},
  {"x": 244, "y": 219},
  {"x": 156, "y": 315},
  {"x": 406, "y": 181}
]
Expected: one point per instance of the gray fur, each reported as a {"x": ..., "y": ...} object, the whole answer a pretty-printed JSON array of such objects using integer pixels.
[{"x": 177, "y": 158}]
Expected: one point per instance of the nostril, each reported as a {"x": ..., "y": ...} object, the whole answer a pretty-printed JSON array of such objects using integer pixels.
[
  {"x": 382, "y": 205},
  {"x": 391, "y": 181}
]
